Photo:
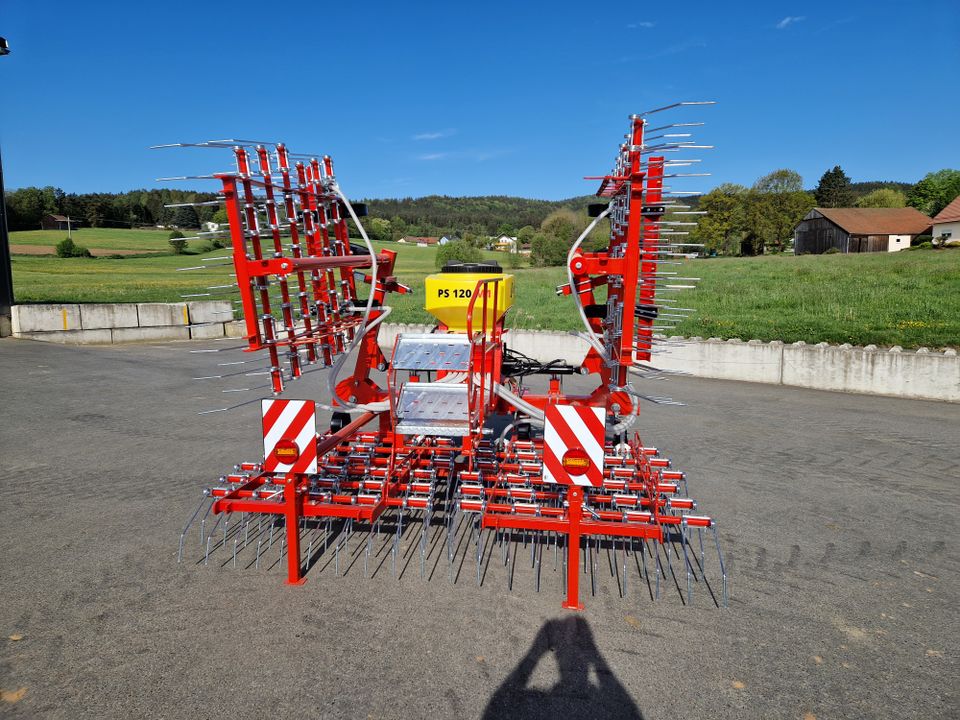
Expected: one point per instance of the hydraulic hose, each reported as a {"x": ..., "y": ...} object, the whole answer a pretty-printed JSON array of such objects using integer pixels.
[
  {"x": 590, "y": 336},
  {"x": 535, "y": 413},
  {"x": 366, "y": 325}
]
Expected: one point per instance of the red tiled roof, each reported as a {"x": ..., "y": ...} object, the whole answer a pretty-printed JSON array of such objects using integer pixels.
[
  {"x": 878, "y": 221},
  {"x": 951, "y": 213}
]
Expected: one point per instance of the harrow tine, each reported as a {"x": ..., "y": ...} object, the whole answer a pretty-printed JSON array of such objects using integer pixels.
[
  {"x": 480, "y": 549},
  {"x": 203, "y": 521},
  {"x": 367, "y": 548},
  {"x": 686, "y": 561},
  {"x": 593, "y": 567},
  {"x": 308, "y": 563},
  {"x": 703, "y": 562},
  {"x": 539, "y": 562},
  {"x": 563, "y": 570},
  {"x": 212, "y": 530},
  {"x": 187, "y": 527},
  {"x": 423, "y": 543},
  {"x": 513, "y": 565},
  {"x": 396, "y": 541},
  {"x": 723, "y": 569},
  {"x": 659, "y": 567},
  {"x": 623, "y": 548}
]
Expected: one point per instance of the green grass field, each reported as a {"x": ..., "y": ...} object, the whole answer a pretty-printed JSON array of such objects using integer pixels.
[
  {"x": 908, "y": 298},
  {"x": 147, "y": 241}
]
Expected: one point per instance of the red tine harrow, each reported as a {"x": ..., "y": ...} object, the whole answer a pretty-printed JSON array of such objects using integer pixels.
[{"x": 451, "y": 453}]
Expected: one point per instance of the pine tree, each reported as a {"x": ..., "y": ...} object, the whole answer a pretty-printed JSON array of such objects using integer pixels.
[{"x": 834, "y": 189}]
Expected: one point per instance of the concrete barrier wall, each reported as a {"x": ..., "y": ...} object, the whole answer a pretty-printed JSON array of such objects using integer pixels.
[
  {"x": 922, "y": 374},
  {"x": 104, "y": 323}
]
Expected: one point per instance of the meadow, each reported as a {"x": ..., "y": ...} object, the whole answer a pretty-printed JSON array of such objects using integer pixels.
[
  {"x": 146, "y": 241},
  {"x": 909, "y": 298}
]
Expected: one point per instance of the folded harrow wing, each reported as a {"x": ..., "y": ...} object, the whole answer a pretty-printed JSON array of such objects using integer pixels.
[{"x": 438, "y": 441}]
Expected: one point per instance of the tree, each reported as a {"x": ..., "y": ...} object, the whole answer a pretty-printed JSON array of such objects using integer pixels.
[
  {"x": 775, "y": 205},
  {"x": 95, "y": 214},
  {"x": 177, "y": 242},
  {"x": 882, "y": 198},
  {"x": 457, "y": 250},
  {"x": 27, "y": 206},
  {"x": 398, "y": 227},
  {"x": 935, "y": 191},
  {"x": 66, "y": 248},
  {"x": 564, "y": 224},
  {"x": 549, "y": 250},
  {"x": 220, "y": 217},
  {"x": 525, "y": 234},
  {"x": 834, "y": 189},
  {"x": 379, "y": 229},
  {"x": 515, "y": 260},
  {"x": 722, "y": 228},
  {"x": 779, "y": 181},
  {"x": 185, "y": 217}
]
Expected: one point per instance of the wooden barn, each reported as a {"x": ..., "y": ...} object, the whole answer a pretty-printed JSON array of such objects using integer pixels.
[
  {"x": 58, "y": 222},
  {"x": 859, "y": 229}
]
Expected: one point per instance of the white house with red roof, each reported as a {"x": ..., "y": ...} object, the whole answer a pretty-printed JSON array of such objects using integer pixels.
[{"x": 946, "y": 223}]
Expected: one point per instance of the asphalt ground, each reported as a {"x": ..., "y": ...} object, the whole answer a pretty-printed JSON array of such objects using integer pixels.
[{"x": 837, "y": 515}]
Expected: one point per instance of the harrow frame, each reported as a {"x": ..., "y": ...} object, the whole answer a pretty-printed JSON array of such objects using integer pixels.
[{"x": 294, "y": 231}]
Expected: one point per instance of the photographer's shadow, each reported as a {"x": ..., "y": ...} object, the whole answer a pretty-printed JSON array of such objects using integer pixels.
[{"x": 575, "y": 693}]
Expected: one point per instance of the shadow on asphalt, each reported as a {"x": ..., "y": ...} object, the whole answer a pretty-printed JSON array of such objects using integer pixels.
[{"x": 585, "y": 686}]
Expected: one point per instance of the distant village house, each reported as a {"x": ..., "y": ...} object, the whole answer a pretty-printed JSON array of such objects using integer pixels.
[
  {"x": 504, "y": 243},
  {"x": 852, "y": 230},
  {"x": 946, "y": 223},
  {"x": 419, "y": 241}
]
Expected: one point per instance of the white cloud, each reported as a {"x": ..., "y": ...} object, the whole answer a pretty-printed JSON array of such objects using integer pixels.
[
  {"x": 790, "y": 20},
  {"x": 473, "y": 154},
  {"x": 434, "y": 135},
  {"x": 643, "y": 24}
]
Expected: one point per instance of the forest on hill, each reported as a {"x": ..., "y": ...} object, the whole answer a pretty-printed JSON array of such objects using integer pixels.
[
  {"x": 739, "y": 220},
  {"x": 482, "y": 215}
]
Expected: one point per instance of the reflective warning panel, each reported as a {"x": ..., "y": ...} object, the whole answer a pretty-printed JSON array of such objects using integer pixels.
[
  {"x": 573, "y": 445},
  {"x": 289, "y": 436}
]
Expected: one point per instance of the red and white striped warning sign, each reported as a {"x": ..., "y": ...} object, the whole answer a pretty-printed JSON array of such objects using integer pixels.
[
  {"x": 573, "y": 445},
  {"x": 289, "y": 436}
]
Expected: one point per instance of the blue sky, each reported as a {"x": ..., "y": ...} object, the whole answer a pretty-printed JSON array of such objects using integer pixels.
[{"x": 475, "y": 99}]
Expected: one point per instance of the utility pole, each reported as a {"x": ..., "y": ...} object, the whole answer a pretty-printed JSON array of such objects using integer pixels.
[{"x": 6, "y": 272}]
